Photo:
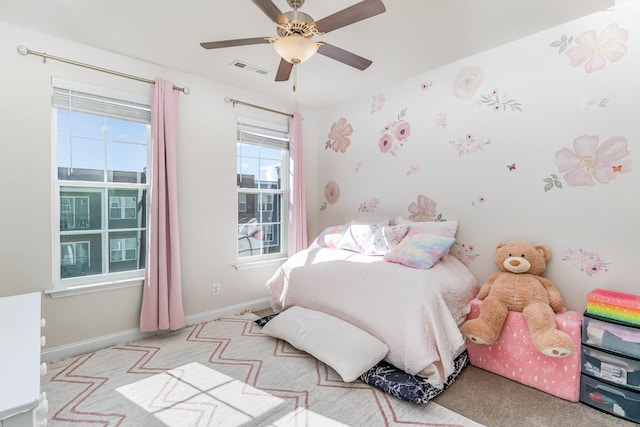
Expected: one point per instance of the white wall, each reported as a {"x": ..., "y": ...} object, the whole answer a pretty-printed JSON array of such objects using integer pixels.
[
  {"x": 492, "y": 201},
  {"x": 206, "y": 175}
]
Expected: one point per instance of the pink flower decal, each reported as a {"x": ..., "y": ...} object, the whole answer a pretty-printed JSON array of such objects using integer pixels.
[
  {"x": 331, "y": 192},
  {"x": 593, "y": 51},
  {"x": 588, "y": 162},
  {"x": 441, "y": 120},
  {"x": 369, "y": 205},
  {"x": 377, "y": 103},
  {"x": 587, "y": 261},
  {"x": 394, "y": 134},
  {"x": 403, "y": 130},
  {"x": 464, "y": 252},
  {"x": 339, "y": 135},
  {"x": 422, "y": 210},
  {"x": 469, "y": 144},
  {"x": 385, "y": 142},
  {"x": 467, "y": 82}
]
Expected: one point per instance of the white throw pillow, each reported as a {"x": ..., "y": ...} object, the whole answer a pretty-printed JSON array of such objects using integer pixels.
[
  {"x": 357, "y": 237},
  {"x": 349, "y": 350},
  {"x": 439, "y": 228},
  {"x": 385, "y": 238}
]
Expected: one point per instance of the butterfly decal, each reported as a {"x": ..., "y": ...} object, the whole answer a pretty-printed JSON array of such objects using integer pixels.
[
  {"x": 511, "y": 167},
  {"x": 617, "y": 168}
]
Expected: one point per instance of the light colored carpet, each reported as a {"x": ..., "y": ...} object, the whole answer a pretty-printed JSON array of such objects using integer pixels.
[{"x": 222, "y": 373}]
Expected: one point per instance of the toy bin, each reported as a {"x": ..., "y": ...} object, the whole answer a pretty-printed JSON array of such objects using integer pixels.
[
  {"x": 614, "y": 400},
  {"x": 513, "y": 355},
  {"x": 611, "y": 335}
]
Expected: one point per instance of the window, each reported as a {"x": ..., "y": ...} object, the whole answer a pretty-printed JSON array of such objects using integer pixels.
[
  {"x": 122, "y": 207},
  {"x": 101, "y": 142},
  {"x": 262, "y": 183}
]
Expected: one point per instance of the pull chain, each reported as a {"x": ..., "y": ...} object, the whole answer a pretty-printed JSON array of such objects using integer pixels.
[{"x": 295, "y": 85}]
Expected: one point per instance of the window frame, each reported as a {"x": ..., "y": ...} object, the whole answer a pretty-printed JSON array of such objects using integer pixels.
[
  {"x": 250, "y": 261},
  {"x": 105, "y": 280}
]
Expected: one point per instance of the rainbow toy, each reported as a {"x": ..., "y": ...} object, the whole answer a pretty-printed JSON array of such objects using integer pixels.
[{"x": 614, "y": 305}]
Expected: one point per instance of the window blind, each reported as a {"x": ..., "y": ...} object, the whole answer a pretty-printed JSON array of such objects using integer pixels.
[
  {"x": 74, "y": 100},
  {"x": 253, "y": 134}
]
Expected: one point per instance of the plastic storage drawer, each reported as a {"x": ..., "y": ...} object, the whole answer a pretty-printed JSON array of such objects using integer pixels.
[
  {"x": 614, "y": 400},
  {"x": 611, "y": 367},
  {"x": 610, "y": 335}
]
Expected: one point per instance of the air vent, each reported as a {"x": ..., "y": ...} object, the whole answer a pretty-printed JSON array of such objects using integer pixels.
[{"x": 248, "y": 67}]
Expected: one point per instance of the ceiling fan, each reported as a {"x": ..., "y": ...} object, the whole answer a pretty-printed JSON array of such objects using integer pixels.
[{"x": 296, "y": 29}]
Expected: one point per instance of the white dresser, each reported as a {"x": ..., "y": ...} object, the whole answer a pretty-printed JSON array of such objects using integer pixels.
[{"x": 21, "y": 403}]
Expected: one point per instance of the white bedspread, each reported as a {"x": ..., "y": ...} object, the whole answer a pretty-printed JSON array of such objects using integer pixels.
[{"x": 417, "y": 313}]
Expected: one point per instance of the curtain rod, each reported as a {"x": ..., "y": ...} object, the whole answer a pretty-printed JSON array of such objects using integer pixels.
[
  {"x": 236, "y": 101},
  {"x": 22, "y": 50}
]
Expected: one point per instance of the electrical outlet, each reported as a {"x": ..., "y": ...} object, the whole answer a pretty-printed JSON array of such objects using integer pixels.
[{"x": 215, "y": 288}]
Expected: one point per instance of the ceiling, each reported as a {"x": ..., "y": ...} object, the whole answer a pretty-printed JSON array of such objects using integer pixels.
[{"x": 411, "y": 37}]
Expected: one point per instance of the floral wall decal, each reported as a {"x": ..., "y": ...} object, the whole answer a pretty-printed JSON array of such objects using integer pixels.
[
  {"x": 563, "y": 43},
  {"x": 594, "y": 51},
  {"x": 467, "y": 82},
  {"x": 469, "y": 144},
  {"x": 464, "y": 252},
  {"x": 331, "y": 194},
  {"x": 498, "y": 102},
  {"x": 377, "y": 103},
  {"x": 480, "y": 200},
  {"x": 552, "y": 182},
  {"x": 395, "y": 134},
  {"x": 589, "y": 162},
  {"x": 425, "y": 86},
  {"x": 369, "y": 205},
  {"x": 339, "y": 136},
  {"x": 414, "y": 168},
  {"x": 441, "y": 120},
  {"x": 590, "y": 103},
  {"x": 589, "y": 262},
  {"x": 423, "y": 210}
]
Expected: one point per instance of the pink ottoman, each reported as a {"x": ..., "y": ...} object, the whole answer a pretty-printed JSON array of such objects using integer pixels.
[{"x": 513, "y": 355}]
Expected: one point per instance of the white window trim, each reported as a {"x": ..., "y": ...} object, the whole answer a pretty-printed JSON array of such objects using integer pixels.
[
  {"x": 80, "y": 288},
  {"x": 93, "y": 283},
  {"x": 258, "y": 261}
]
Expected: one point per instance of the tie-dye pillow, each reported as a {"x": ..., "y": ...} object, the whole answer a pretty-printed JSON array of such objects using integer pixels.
[{"x": 420, "y": 249}]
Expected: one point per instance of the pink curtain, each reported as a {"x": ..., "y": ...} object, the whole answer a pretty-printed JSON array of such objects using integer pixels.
[
  {"x": 162, "y": 293},
  {"x": 297, "y": 204}
]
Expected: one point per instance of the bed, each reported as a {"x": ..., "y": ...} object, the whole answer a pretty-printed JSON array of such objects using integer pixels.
[{"x": 416, "y": 312}]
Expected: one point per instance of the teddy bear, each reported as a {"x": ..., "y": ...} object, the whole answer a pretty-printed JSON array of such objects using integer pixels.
[{"x": 518, "y": 286}]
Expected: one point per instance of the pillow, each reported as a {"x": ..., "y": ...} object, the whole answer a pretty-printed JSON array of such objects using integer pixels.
[
  {"x": 412, "y": 388},
  {"x": 264, "y": 320},
  {"x": 330, "y": 236},
  {"x": 357, "y": 237},
  {"x": 385, "y": 238},
  {"x": 420, "y": 250},
  {"x": 350, "y": 351},
  {"x": 439, "y": 228}
]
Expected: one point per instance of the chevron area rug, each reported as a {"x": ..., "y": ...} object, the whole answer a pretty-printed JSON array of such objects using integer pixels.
[{"x": 220, "y": 373}]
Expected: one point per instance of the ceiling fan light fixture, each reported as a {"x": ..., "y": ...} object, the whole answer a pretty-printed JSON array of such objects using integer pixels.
[{"x": 295, "y": 49}]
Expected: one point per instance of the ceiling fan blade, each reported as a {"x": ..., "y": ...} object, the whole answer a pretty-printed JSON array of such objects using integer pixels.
[
  {"x": 359, "y": 11},
  {"x": 236, "y": 42},
  {"x": 343, "y": 56},
  {"x": 284, "y": 71},
  {"x": 271, "y": 10}
]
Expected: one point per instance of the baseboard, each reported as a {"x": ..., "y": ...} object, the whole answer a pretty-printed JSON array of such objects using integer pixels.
[{"x": 118, "y": 338}]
